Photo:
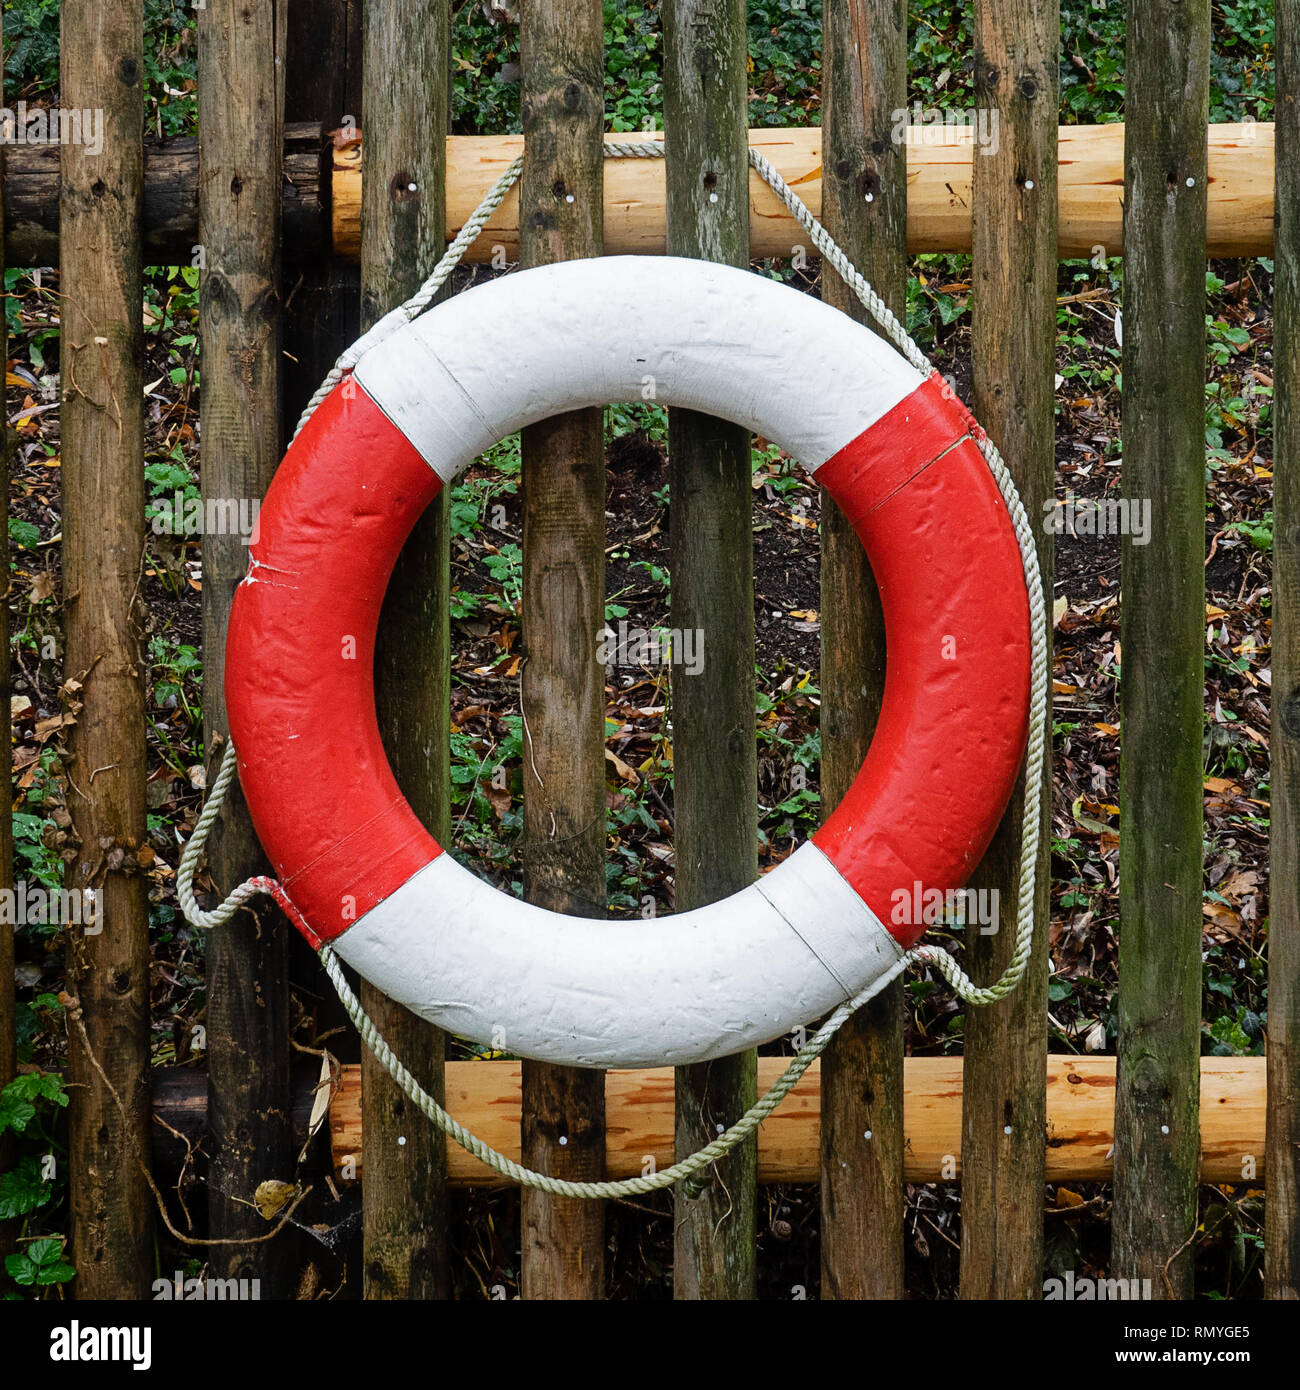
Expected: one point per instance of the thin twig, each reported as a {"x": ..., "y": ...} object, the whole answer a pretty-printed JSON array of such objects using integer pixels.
[{"x": 73, "y": 1008}]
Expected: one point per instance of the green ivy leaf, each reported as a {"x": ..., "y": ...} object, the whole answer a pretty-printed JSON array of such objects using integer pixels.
[
  {"x": 23, "y": 533},
  {"x": 15, "y": 1113},
  {"x": 40, "y": 1262},
  {"x": 22, "y": 1189},
  {"x": 20, "y": 1097}
]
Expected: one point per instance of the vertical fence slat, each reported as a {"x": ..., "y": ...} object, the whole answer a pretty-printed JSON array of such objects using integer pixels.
[
  {"x": 1162, "y": 634},
  {"x": 241, "y": 99},
  {"x": 864, "y": 81},
  {"x": 563, "y": 690},
  {"x": 1014, "y": 361},
  {"x": 102, "y": 445},
  {"x": 405, "y": 71},
  {"x": 8, "y": 1019},
  {"x": 712, "y": 568},
  {"x": 1282, "y": 1146}
]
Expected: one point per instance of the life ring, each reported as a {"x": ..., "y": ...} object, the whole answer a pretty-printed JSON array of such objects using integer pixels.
[{"x": 358, "y": 870}]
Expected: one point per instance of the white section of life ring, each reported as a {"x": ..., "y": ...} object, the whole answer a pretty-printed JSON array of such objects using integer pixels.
[
  {"x": 630, "y": 328},
  {"x": 713, "y": 981}
]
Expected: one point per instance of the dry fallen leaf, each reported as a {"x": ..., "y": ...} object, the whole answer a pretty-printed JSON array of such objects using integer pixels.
[
  {"x": 624, "y": 770},
  {"x": 1240, "y": 883},
  {"x": 271, "y": 1195},
  {"x": 1222, "y": 916},
  {"x": 47, "y": 727}
]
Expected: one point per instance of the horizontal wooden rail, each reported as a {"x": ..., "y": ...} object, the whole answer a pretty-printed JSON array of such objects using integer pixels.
[
  {"x": 639, "y": 1120},
  {"x": 171, "y": 201},
  {"x": 939, "y": 161},
  {"x": 324, "y": 212}
]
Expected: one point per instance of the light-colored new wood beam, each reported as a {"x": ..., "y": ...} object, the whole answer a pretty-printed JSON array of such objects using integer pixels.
[
  {"x": 939, "y": 171},
  {"x": 639, "y": 1120}
]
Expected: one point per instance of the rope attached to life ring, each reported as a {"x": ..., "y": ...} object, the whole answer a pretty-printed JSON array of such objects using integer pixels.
[{"x": 687, "y": 1169}]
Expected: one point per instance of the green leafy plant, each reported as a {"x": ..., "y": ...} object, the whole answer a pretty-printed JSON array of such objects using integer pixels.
[
  {"x": 506, "y": 567},
  {"x": 1258, "y": 533},
  {"x": 23, "y": 533},
  {"x": 1235, "y": 1034},
  {"x": 33, "y": 848},
  {"x": 178, "y": 668},
  {"x": 40, "y": 1262},
  {"x": 32, "y": 1019},
  {"x": 633, "y": 87},
  {"x": 636, "y": 418},
  {"x": 22, "y": 1097},
  {"x": 785, "y": 42},
  {"x": 165, "y": 478},
  {"x": 31, "y": 32},
  {"x": 31, "y": 1186}
]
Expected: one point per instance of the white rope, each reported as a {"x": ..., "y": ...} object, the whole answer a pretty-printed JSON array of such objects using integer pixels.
[
  {"x": 935, "y": 956},
  {"x": 250, "y": 888}
]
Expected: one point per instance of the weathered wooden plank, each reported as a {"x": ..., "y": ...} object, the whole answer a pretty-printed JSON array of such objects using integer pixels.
[
  {"x": 8, "y": 1018},
  {"x": 1282, "y": 1212},
  {"x": 639, "y": 1119},
  {"x": 715, "y": 796},
  {"x": 170, "y": 228},
  {"x": 1014, "y": 357},
  {"x": 241, "y": 99},
  {"x": 102, "y": 446},
  {"x": 563, "y": 689},
  {"x": 406, "y": 71},
  {"x": 864, "y": 80},
  {"x": 1163, "y": 638}
]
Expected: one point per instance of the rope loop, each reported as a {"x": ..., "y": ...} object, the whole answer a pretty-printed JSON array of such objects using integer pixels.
[{"x": 689, "y": 1169}]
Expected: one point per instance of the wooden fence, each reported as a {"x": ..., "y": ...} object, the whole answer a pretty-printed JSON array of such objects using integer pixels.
[{"x": 274, "y": 207}]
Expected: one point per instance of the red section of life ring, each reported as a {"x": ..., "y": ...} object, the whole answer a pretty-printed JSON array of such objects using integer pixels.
[
  {"x": 300, "y": 656},
  {"x": 955, "y": 714}
]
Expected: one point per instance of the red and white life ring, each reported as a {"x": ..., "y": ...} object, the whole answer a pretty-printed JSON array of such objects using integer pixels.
[{"x": 359, "y": 870}]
